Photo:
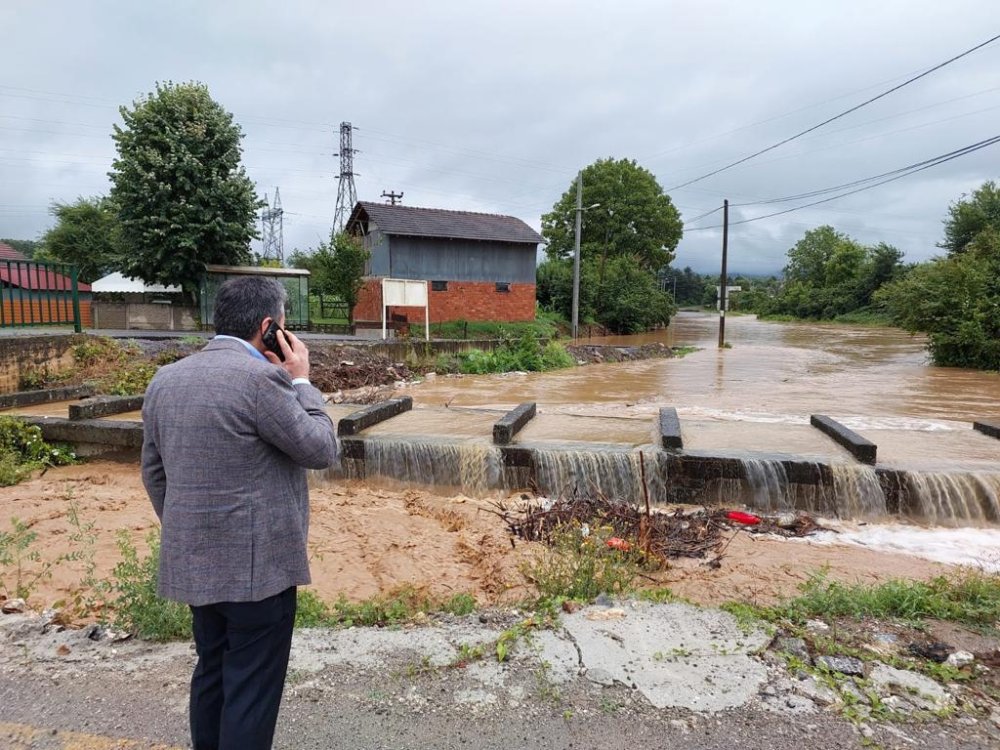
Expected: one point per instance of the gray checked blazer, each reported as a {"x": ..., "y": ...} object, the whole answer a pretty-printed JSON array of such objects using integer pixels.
[{"x": 227, "y": 440}]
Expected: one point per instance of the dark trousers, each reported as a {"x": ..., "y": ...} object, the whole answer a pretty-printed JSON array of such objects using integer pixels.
[{"x": 243, "y": 650}]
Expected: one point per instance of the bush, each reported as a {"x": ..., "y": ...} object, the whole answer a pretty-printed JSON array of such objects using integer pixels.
[
  {"x": 524, "y": 353},
  {"x": 136, "y": 605},
  {"x": 22, "y": 451}
]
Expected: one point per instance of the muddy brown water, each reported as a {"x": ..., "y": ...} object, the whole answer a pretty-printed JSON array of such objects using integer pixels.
[{"x": 779, "y": 372}]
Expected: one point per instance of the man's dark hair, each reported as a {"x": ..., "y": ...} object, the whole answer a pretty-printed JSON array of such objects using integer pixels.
[{"x": 242, "y": 303}]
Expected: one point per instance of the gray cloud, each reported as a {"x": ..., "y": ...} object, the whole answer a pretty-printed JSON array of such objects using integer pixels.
[{"x": 493, "y": 106}]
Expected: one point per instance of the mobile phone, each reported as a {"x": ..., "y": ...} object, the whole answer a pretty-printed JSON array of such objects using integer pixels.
[{"x": 270, "y": 339}]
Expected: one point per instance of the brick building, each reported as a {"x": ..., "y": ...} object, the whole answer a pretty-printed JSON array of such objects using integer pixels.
[{"x": 478, "y": 266}]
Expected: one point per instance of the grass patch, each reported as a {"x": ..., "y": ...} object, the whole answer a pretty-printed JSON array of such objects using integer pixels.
[
  {"x": 546, "y": 325},
  {"x": 394, "y": 608},
  {"x": 971, "y": 598}
]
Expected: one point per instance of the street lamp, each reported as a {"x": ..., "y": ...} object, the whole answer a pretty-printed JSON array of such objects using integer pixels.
[{"x": 576, "y": 253}]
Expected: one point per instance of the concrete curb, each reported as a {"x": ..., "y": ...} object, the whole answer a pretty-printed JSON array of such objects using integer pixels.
[
  {"x": 862, "y": 449},
  {"x": 104, "y": 406},
  {"x": 511, "y": 423},
  {"x": 44, "y": 396},
  {"x": 372, "y": 415}
]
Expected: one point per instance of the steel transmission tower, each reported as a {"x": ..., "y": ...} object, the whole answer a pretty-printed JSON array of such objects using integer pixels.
[
  {"x": 347, "y": 195},
  {"x": 272, "y": 230}
]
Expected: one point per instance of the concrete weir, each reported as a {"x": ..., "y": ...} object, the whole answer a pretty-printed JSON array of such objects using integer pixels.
[{"x": 672, "y": 460}]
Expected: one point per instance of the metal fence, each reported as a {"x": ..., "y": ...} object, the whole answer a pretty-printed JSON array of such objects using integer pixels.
[{"x": 36, "y": 293}]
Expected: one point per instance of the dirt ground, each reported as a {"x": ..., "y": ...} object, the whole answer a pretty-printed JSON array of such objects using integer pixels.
[{"x": 369, "y": 540}]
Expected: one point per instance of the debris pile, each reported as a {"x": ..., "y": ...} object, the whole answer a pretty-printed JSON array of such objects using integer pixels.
[
  {"x": 343, "y": 369},
  {"x": 663, "y": 534}
]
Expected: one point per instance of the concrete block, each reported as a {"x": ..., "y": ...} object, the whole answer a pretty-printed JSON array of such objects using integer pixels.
[
  {"x": 670, "y": 429},
  {"x": 511, "y": 423},
  {"x": 104, "y": 406},
  {"x": 373, "y": 415},
  {"x": 862, "y": 449},
  {"x": 44, "y": 396},
  {"x": 987, "y": 428}
]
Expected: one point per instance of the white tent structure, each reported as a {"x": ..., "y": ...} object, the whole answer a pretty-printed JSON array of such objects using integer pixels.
[{"x": 119, "y": 283}]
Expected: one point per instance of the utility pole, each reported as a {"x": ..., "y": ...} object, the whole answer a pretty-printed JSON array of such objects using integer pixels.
[
  {"x": 723, "y": 280},
  {"x": 576, "y": 255},
  {"x": 393, "y": 197},
  {"x": 347, "y": 194}
]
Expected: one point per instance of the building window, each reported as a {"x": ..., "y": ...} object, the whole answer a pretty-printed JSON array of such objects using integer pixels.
[
  {"x": 439, "y": 286},
  {"x": 503, "y": 286}
]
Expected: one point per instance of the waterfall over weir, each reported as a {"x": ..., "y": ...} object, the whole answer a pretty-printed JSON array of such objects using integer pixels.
[{"x": 769, "y": 483}]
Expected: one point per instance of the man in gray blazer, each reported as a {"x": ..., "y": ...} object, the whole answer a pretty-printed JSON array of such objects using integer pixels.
[{"x": 228, "y": 434}]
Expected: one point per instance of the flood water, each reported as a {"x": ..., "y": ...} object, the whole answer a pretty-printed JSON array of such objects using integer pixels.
[{"x": 872, "y": 378}]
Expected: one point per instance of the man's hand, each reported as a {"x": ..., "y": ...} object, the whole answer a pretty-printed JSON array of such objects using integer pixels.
[{"x": 296, "y": 355}]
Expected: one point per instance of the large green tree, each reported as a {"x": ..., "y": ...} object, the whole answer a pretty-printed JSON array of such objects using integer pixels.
[
  {"x": 86, "y": 233},
  {"x": 955, "y": 300},
  {"x": 635, "y": 217},
  {"x": 971, "y": 215},
  {"x": 830, "y": 274},
  {"x": 183, "y": 198},
  {"x": 625, "y": 241}
]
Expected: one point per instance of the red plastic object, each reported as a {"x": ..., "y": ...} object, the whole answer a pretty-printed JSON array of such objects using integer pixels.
[
  {"x": 618, "y": 543},
  {"x": 747, "y": 519}
]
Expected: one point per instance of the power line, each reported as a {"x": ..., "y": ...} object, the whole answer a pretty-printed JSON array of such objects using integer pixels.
[
  {"x": 906, "y": 172},
  {"x": 841, "y": 114}
]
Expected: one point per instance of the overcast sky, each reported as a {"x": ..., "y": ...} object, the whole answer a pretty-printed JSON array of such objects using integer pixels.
[{"x": 494, "y": 106}]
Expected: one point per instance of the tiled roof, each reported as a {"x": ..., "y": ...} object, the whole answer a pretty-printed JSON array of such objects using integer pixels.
[
  {"x": 436, "y": 222},
  {"x": 9, "y": 253},
  {"x": 18, "y": 271}
]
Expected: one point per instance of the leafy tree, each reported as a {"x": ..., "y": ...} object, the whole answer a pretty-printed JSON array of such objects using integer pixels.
[
  {"x": 829, "y": 274},
  {"x": 971, "y": 215},
  {"x": 635, "y": 218},
  {"x": 338, "y": 268},
  {"x": 183, "y": 198},
  {"x": 87, "y": 234},
  {"x": 956, "y": 301},
  {"x": 624, "y": 243}
]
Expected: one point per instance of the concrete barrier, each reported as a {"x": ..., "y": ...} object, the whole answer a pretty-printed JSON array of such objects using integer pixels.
[
  {"x": 44, "y": 396},
  {"x": 861, "y": 448},
  {"x": 670, "y": 429},
  {"x": 511, "y": 423},
  {"x": 360, "y": 420},
  {"x": 92, "y": 432},
  {"x": 104, "y": 406},
  {"x": 987, "y": 428}
]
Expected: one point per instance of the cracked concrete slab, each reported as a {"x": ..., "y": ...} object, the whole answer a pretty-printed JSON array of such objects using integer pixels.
[{"x": 676, "y": 655}]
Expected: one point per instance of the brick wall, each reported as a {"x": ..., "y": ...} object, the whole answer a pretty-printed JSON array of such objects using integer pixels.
[{"x": 463, "y": 300}]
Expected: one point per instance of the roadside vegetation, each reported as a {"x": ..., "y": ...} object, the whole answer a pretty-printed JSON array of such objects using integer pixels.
[
  {"x": 23, "y": 451},
  {"x": 112, "y": 367},
  {"x": 524, "y": 353}
]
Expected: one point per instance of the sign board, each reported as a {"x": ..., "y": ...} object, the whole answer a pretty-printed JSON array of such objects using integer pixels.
[
  {"x": 718, "y": 294},
  {"x": 405, "y": 293}
]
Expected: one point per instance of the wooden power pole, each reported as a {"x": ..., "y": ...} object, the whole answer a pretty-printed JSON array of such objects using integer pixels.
[{"x": 723, "y": 280}]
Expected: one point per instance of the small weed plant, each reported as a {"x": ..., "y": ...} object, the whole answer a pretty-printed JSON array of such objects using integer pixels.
[
  {"x": 136, "y": 606},
  {"x": 22, "y": 566},
  {"x": 578, "y": 564}
]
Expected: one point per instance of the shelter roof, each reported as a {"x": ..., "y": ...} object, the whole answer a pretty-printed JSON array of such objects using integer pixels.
[{"x": 119, "y": 282}]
